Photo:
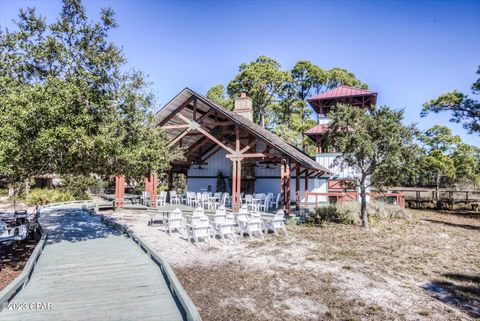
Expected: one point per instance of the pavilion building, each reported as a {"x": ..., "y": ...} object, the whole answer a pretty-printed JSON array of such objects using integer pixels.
[{"x": 250, "y": 158}]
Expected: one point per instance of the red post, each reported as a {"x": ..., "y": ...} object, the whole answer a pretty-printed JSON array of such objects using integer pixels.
[
  {"x": 153, "y": 195},
  {"x": 288, "y": 194},
  {"x": 306, "y": 188},
  {"x": 282, "y": 185},
  {"x": 119, "y": 190},
  {"x": 239, "y": 181},
  {"x": 297, "y": 188},
  {"x": 234, "y": 184}
]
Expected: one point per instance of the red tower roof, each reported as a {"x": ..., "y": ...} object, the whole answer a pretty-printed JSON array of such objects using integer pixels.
[{"x": 343, "y": 94}]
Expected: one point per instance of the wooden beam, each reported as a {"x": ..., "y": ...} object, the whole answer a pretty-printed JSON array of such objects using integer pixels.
[
  {"x": 198, "y": 127},
  {"x": 173, "y": 142},
  {"x": 237, "y": 139},
  {"x": 174, "y": 126},
  {"x": 253, "y": 143},
  {"x": 218, "y": 123},
  {"x": 176, "y": 111},
  {"x": 213, "y": 138},
  {"x": 213, "y": 150},
  {"x": 195, "y": 109},
  {"x": 196, "y": 145}
]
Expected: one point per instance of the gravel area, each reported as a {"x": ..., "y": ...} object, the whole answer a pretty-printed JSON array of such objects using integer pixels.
[{"x": 424, "y": 268}]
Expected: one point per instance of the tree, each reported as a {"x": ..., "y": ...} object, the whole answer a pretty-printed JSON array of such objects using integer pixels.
[
  {"x": 306, "y": 77},
  {"x": 218, "y": 95},
  {"x": 279, "y": 97},
  {"x": 66, "y": 104},
  {"x": 463, "y": 108},
  {"x": 467, "y": 164},
  {"x": 373, "y": 142},
  {"x": 439, "y": 142},
  {"x": 263, "y": 81}
]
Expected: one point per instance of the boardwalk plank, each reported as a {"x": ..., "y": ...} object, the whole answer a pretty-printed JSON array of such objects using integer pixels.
[{"x": 89, "y": 271}]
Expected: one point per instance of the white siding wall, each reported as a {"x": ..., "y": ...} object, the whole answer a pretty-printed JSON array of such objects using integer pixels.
[
  {"x": 323, "y": 120},
  {"x": 268, "y": 179},
  {"x": 327, "y": 159}
]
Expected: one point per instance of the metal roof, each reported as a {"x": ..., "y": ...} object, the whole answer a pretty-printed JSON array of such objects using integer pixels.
[
  {"x": 319, "y": 129},
  {"x": 342, "y": 94}
]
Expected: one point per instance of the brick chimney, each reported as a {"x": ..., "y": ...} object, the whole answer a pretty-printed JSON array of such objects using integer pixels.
[{"x": 243, "y": 106}]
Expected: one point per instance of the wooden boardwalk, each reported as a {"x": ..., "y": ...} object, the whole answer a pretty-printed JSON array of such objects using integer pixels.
[{"x": 89, "y": 271}]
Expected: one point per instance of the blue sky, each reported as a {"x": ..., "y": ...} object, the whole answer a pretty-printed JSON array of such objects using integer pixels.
[{"x": 409, "y": 52}]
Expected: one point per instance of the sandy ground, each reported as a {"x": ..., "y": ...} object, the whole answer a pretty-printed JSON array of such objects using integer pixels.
[{"x": 424, "y": 268}]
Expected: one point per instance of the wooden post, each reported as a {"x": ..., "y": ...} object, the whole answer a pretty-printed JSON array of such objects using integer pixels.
[
  {"x": 287, "y": 192},
  {"x": 306, "y": 188},
  {"x": 239, "y": 182},
  {"x": 119, "y": 190},
  {"x": 297, "y": 188},
  {"x": 169, "y": 184},
  {"x": 153, "y": 195},
  {"x": 234, "y": 184},
  {"x": 282, "y": 185}
]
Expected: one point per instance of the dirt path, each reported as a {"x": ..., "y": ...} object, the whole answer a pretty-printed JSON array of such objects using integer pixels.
[{"x": 426, "y": 268}]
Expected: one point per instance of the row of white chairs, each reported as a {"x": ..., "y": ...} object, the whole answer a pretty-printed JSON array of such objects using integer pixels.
[
  {"x": 199, "y": 226},
  {"x": 209, "y": 200}
]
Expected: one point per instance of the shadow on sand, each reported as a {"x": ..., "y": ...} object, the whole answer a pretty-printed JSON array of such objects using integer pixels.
[
  {"x": 74, "y": 225},
  {"x": 459, "y": 290},
  {"x": 465, "y": 226}
]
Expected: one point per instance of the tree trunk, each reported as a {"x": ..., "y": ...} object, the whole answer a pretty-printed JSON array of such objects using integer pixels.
[
  {"x": 363, "y": 205},
  {"x": 437, "y": 185}
]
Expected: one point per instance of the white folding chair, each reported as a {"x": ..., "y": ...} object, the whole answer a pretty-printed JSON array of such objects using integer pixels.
[
  {"x": 198, "y": 226},
  {"x": 265, "y": 205},
  {"x": 223, "y": 224},
  {"x": 174, "y": 199},
  {"x": 275, "y": 223},
  {"x": 174, "y": 221}
]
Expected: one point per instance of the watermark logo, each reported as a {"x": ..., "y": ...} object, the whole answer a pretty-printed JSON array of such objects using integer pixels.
[{"x": 26, "y": 306}]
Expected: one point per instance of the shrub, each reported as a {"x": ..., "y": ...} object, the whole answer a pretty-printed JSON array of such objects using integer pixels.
[
  {"x": 326, "y": 214},
  {"x": 40, "y": 196},
  {"x": 3, "y": 192},
  {"x": 78, "y": 186},
  {"x": 349, "y": 213}
]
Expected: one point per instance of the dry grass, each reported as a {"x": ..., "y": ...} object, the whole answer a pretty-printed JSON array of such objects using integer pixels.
[{"x": 423, "y": 268}]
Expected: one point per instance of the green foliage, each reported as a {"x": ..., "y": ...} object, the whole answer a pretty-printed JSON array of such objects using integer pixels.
[
  {"x": 466, "y": 160},
  {"x": 77, "y": 186},
  {"x": 446, "y": 159},
  {"x": 263, "y": 81},
  {"x": 462, "y": 108},
  {"x": 279, "y": 96},
  {"x": 68, "y": 106},
  {"x": 374, "y": 143},
  {"x": 217, "y": 94},
  {"x": 349, "y": 213},
  {"x": 326, "y": 214},
  {"x": 39, "y": 196}
]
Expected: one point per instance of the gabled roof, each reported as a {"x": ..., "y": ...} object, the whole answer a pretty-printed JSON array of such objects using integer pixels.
[
  {"x": 256, "y": 130},
  {"x": 342, "y": 91},
  {"x": 319, "y": 129},
  {"x": 343, "y": 94}
]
